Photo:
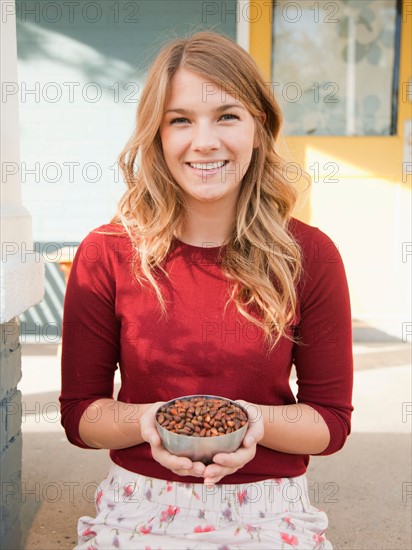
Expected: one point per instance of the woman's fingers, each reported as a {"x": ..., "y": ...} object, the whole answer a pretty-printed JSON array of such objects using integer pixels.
[
  {"x": 232, "y": 461},
  {"x": 213, "y": 476},
  {"x": 255, "y": 430},
  {"x": 179, "y": 465},
  {"x": 237, "y": 459},
  {"x": 170, "y": 461},
  {"x": 197, "y": 470},
  {"x": 227, "y": 463}
]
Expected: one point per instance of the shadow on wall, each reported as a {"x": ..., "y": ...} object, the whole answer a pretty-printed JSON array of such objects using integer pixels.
[
  {"x": 42, "y": 323},
  {"x": 122, "y": 31},
  {"x": 362, "y": 332}
]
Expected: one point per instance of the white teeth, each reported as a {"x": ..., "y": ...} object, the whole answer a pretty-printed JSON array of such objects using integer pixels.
[{"x": 208, "y": 166}]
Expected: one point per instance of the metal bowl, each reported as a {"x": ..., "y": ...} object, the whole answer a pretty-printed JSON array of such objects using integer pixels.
[{"x": 201, "y": 449}]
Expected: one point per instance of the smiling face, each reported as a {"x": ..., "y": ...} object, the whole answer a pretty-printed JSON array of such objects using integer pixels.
[{"x": 208, "y": 138}]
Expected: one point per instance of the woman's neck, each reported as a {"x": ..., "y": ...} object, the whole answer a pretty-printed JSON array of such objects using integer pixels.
[{"x": 206, "y": 225}]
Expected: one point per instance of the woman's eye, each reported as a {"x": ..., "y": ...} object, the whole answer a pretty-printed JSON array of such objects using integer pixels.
[
  {"x": 177, "y": 120},
  {"x": 232, "y": 116}
]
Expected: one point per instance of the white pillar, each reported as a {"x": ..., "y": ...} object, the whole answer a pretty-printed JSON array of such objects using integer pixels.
[
  {"x": 242, "y": 24},
  {"x": 22, "y": 271}
]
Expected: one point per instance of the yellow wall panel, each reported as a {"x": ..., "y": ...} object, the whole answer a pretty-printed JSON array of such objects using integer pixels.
[{"x": 360, "y": 197}]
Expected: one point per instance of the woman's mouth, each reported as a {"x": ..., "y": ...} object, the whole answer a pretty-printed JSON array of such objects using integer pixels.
[{"x": 207, "y": 168}]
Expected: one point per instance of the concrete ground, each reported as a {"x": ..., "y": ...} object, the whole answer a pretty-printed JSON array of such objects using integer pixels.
[{"x": 366, "y": 489}]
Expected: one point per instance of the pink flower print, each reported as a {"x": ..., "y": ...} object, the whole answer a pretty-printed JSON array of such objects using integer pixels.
[
  {"x": 288, "y": 523},
  {"x": 277, "y": 480},
  {"x": 170, "y": 512},
  {"x": 98, "y": 499},
  {"x": 289, "y": 539},
  {"x": 319, "y": 539},
  {"x": 196, "y": 495},
  {"x": 148, "y": 494},
  {"x": 169, "y": 486},
  {"x": 145, "y": 530},
  {"x": 128, "y": 491},
  {"x": 89, "y": 533},
  {"x": 250, "y": 528},
  {"x": 115, "y": 542},
  {"x": 242, "y": 497},
  {"x": 205, "y": 529}
]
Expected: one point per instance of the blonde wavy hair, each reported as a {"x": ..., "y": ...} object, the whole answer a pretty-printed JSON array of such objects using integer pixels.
[{"x": 261, "y": 259}]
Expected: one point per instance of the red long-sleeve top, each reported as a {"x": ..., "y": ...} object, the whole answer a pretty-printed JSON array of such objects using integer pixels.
[{"x": 111, "y": 320}]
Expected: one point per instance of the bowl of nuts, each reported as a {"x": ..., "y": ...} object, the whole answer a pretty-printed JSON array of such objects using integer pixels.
[{"x": 200, "y": 426}]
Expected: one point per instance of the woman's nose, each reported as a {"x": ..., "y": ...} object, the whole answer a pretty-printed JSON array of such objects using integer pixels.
[{"x": 205, "y": 138}]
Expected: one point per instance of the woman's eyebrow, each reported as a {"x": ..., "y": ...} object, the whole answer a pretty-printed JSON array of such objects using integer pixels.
[{"x": 217, "y": 110}]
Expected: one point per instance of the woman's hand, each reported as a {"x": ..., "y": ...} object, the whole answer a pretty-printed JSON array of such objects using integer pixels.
[
  {"x": 228, "y": 463},
  {"x": 181, "y": 466}
]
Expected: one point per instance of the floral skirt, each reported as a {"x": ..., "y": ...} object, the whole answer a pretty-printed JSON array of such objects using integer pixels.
[{"x": 139, "y": 512}]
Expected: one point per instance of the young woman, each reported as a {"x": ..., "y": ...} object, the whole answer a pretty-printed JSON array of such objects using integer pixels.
[{"x": 204, "y": 283}]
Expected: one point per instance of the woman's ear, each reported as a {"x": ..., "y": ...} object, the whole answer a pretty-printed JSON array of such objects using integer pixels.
[{"x": 262, "y": 118}]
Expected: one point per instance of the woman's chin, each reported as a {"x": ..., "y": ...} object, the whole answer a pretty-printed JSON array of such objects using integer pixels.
[{"x": 210, "y": 195}]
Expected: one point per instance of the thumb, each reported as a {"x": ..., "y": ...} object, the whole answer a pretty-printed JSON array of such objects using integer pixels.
[
  {"x": 150, "y": 436},
  {"x": 249, "y": 440},
  {"x": 154, "y": 439}
]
